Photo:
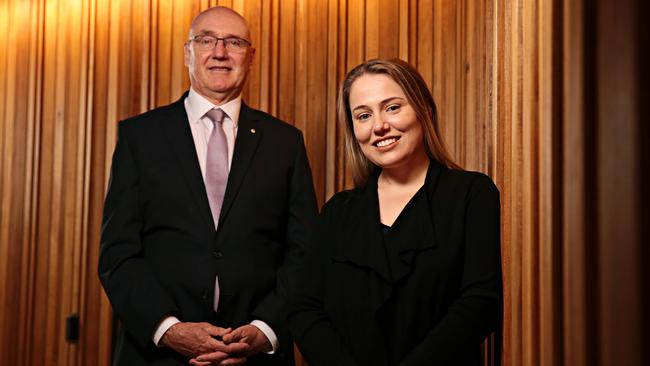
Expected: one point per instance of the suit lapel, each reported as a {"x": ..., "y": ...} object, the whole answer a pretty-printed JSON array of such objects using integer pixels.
[
  {"x": 179, "y": 135},
  {"x": 249, "y": 135}
]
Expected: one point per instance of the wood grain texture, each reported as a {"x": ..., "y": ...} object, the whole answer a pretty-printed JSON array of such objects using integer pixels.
[
  {"x": 574, "y": 235},
  {"x": 618, "y": 192},
  {"x": 520, "y": 99}
]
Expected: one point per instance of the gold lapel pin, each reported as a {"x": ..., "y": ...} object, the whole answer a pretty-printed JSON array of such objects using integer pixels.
[{"x": 252, "y": 130}]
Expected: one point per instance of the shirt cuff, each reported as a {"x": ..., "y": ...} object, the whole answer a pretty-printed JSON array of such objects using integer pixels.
[
  {"x": 164, "y": 325},
  {"x": 269, "y": 333}
]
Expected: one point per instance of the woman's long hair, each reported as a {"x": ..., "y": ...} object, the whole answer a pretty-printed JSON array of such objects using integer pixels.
[{"x": 418, "y": 95}]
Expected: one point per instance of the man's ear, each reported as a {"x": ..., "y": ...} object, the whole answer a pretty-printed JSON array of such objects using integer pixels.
[
  {"x": 186, "y": 54},
  {"x": 252, "y": 58}
]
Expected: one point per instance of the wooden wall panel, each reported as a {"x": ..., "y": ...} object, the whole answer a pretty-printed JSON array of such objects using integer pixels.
[
  {"x": 516, "y": 88},
  {"x": 577, "y": 350},
  {"x": 620, "y": 281},
  {"x": 16, "y": 178}
]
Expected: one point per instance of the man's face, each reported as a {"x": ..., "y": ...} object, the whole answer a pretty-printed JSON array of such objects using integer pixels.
[{"x": 218, "y": 73}]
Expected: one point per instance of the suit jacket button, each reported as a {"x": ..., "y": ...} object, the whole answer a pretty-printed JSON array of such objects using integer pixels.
[{"x": 217, "y": 254}]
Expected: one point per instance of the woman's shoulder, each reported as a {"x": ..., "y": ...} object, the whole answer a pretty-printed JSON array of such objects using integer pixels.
[
  {"x": 466, "y": 181},
  {"x": 342, "y": 199},
  {"x": 335, "y": 211}
]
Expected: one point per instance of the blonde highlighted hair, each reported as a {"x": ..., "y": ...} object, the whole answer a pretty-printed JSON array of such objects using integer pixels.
[{"x": 419, "y": 97}]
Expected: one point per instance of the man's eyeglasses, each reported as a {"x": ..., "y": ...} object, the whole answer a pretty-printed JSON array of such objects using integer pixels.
[{"x": 208, "y": 43}]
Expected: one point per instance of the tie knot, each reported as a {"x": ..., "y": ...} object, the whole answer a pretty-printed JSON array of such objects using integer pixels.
[{"x": 216, "y": 115}]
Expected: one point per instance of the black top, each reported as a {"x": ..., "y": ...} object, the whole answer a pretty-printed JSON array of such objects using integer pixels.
[
  {"x": 426, "y": 291},
  {"x": 400, "y": 231}
]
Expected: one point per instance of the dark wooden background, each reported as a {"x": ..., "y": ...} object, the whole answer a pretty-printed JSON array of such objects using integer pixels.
[{"x": 545, "y": 96}]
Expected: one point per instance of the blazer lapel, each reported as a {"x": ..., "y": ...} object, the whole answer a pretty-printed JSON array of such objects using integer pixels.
[
  {"x": 363, "y": 246},
  {"x": 179, "y": 135},
  {"x": 421, "y": 227},
  {"x": 249, "y": 135}
]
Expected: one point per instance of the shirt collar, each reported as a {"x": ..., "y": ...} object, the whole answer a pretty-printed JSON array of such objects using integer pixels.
[{"x": 198, "y": 106}]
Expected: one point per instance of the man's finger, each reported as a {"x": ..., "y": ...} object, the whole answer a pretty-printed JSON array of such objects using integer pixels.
[
  {"x": 236, "y": 348},
  {"x": 233, "y": 361},
  {"x": 233, "y": 336},
  {"x": 216, "y": 331},
  {"x": 212, "y": 357},
  {"x": 212, "y": 345},
  {"x": 199, "y": 363}
]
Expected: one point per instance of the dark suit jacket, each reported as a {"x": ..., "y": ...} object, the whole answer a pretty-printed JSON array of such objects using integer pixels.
[
  {"x": 160, "y": 252},
  {"x": 429, "y": 298}
]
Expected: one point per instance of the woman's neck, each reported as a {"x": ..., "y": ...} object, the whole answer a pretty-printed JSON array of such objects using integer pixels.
[{"x": 410, "y": 174}]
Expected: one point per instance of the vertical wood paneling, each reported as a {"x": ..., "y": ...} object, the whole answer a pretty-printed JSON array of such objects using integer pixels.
[
  {"x": 316, "y": 117},
  {"x": 549, "y": 109},
  {"x": 574, "y": 239},
  {"x": 511, "y": 278},
  {"x": 428, "y": 34},
  {"x": 301, "y": 59},
  {"x": 264, "y": 60},
  {"x": 526, "y": 171},
  {"x": 335, "y": 35},
  {"x": 619, "y": 193},
  {"x": 275, "y": 59},
  {"x": 164, "y": 51},
  {"x": 388, "y": 28},
  {"x": 526, "y": 159},
  {"x": 286, "y": 55},
  {"x": 343, "y": 178},
  {"x": 16, "y": 178},
  {"x": 356, "y": 40},
  {"x": 403, "y": 25},
  {"x": 515, "y": 87},
  {"x": 371, "y": 32},
  {"x": 95, "y": 313},
  {"x": 252, "y": 11}
]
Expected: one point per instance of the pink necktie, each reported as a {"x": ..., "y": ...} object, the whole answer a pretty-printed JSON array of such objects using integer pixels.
[
  {"x": 216, "y": 166},
  {"x": 216, "y": 175}
]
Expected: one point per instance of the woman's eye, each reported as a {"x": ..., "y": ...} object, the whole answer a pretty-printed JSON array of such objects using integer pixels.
[
  {"x": 363, "y": 116},
  {"x": 393, "y": 107}
]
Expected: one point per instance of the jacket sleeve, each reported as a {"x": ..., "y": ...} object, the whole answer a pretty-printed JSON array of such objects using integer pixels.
[
  {"x": 301, "y": 214},
  {"x": 316, "y": 336},
  {"x": 478, "y": 310},
  {"x": 138, "y": 299}
]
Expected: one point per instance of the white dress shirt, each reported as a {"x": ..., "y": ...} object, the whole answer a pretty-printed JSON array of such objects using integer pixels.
[{"x": 196, "y": 107}]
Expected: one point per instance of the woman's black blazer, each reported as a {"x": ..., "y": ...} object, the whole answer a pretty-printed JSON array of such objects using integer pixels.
[{"x": 429, "y": 300}]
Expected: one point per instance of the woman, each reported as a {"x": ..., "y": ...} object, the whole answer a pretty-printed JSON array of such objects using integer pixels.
[{"x": 405, "y": 268}]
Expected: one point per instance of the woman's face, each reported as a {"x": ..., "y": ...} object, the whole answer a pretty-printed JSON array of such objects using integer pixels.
[{"x": 385, "y": 124}]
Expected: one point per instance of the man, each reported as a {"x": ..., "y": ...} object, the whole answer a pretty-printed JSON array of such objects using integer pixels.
[{"x": 207, "y": 212}]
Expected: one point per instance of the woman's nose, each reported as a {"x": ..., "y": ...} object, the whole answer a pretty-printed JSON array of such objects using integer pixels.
[{"x": 380, "y": 125}]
